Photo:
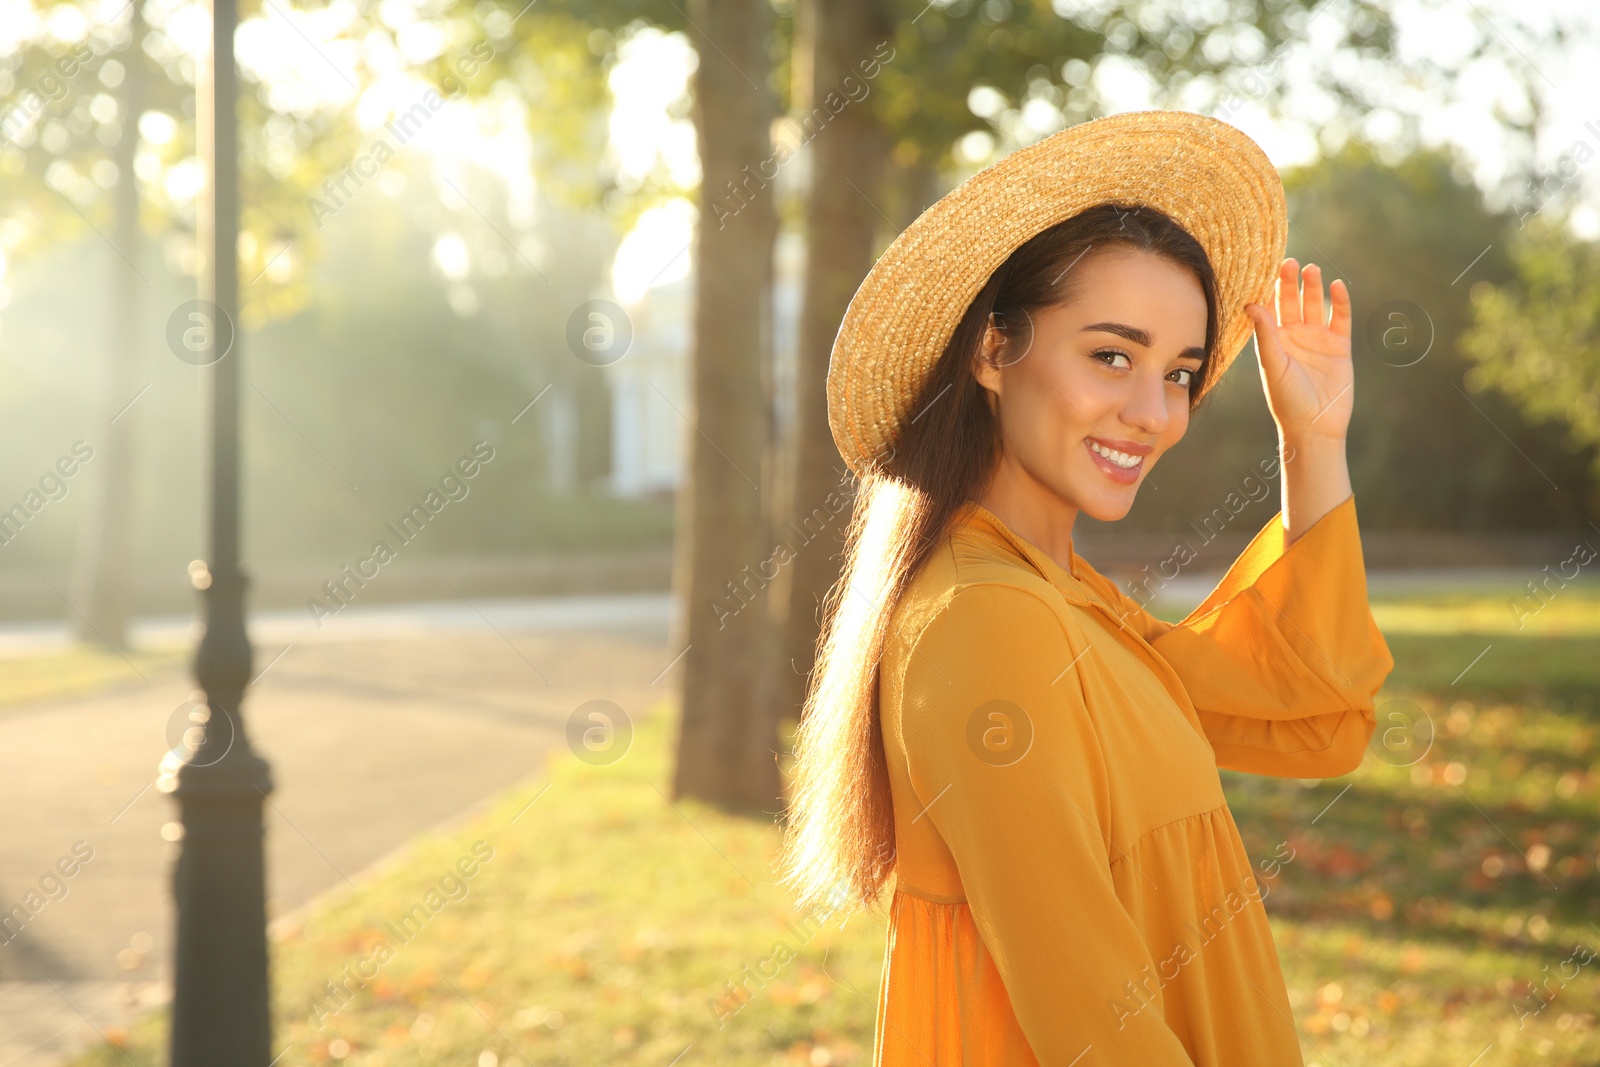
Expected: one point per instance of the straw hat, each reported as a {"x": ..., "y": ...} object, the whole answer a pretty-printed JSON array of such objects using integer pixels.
[{"x": 1210, "y": 177}]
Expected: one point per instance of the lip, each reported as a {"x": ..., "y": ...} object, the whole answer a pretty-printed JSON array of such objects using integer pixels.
[{"x": 1120, "y": 475}]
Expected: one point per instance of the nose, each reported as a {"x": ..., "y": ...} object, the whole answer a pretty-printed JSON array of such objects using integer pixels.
[{"x": 1146, "y": 409}]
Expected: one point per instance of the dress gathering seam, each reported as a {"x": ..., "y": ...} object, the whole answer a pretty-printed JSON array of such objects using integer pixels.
[
  {"x": 914, "y": 895},
  {"x": 1182, "y": 818},
  {"x": 927, "y": 899}
]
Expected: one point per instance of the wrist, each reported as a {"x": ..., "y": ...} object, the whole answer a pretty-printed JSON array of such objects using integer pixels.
[{"x": 1312, "y": 444}]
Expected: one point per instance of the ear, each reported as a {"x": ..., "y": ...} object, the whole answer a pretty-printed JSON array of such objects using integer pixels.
[{"x": 986, "y": 361}]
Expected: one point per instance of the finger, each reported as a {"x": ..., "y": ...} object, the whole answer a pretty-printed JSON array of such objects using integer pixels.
[
  {"x": 1311, "y": 306},
  {"x": 1267, "y": 348},
  {"x": 1340, "y": 293},
  {"x": 1288, "y": 293}
]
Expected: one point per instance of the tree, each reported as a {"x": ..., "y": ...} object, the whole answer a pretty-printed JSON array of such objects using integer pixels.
[
  {"x": 100, "y": 578},
  {"x": 75, "y": 165},
  {"x": 1411, "y": 238},
  {"x": 1536, "y": 338},
  {"x": 71, "y": 151},
  {"x": 727, "y": 735},
  {"x": 840, "y": 46}
]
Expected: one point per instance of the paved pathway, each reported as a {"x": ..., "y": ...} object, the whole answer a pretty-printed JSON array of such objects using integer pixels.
[{"x": 381, "y": 725}]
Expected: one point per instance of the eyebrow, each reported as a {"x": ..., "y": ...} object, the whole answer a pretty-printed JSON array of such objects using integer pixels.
[{"x": 1139, "y": 337}]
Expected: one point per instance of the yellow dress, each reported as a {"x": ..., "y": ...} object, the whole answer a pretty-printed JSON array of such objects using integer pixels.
[{"x": 1071, "y": 887}]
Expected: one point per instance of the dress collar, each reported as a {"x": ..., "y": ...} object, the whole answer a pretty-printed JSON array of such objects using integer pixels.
[{"x": 972, "y": 517}]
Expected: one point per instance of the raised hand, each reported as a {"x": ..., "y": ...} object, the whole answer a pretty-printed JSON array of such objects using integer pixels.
[{"x": 1305, "y": 361}]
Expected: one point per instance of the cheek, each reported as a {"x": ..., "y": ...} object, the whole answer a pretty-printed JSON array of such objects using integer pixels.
[
  {"x": 1177, "y": 421},
  {"x": 1180, "y": 413},
  {"x": 1078, "y": 398},
  {"x": 1045, "y": 406}
]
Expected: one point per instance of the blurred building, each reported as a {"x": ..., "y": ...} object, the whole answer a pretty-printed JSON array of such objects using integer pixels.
[{"x": 650, "y": 389}]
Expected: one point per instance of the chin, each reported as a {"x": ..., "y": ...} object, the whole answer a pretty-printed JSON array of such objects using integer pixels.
[
  {"x": 1101, "y": 503},
  {"x": 1108, "y": 509}
]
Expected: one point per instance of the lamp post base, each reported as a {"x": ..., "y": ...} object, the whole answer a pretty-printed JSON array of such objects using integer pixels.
[{"x": 220, "y": 999}]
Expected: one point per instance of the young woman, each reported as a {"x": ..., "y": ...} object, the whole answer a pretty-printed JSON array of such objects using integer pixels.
[{"x": 1030, "y": 754}]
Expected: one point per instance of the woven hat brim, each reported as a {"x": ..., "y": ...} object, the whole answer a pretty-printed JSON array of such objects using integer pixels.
[{"x": 1209, "y": 176}]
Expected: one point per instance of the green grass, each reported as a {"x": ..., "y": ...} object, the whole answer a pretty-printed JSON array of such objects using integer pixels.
[
  {"x": 83, "y": 671},
  {"x": 1458, "y": 870},
  {"x": 1422, "y": 905}
]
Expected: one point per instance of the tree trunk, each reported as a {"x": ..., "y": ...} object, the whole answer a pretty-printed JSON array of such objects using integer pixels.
[
  {"x": 100, "y": 594},
  {"x": 838, "y": 37},
  {"x": 727, "y": 741}
]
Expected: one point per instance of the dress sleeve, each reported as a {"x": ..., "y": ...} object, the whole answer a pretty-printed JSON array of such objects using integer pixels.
[
  {"x": 1005, "y": 759},
  {"x": 1283, "y": 660}
]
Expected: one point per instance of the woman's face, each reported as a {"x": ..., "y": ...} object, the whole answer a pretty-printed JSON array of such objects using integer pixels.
[{"x": 1109, "y": 370}]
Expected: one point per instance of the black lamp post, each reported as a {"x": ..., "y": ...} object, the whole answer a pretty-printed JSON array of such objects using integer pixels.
[{"x": 220, "y": 1001}]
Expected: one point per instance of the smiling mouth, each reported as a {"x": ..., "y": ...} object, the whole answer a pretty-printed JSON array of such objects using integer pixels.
[
  {"x": 1121, "y": 459},
  {"x": 1121, "y": 467}
]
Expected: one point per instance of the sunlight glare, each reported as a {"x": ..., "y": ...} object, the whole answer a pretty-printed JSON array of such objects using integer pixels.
[
  {"x": 655, "y": 252},
  {"x": 651, "y": 76}
]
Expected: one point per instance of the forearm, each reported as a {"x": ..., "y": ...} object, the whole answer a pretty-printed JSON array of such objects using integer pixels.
[{"x": 1316, "y": 479}]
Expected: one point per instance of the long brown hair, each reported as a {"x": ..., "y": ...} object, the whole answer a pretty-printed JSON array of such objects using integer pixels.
[{"x": 839, "y": 848}]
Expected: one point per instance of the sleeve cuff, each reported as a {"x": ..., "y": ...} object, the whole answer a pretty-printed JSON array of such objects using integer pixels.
[
  {"x": 1336, "y": 532},
  {"x": 1300, "y": 615}
]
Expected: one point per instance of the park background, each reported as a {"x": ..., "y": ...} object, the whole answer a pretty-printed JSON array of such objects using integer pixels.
[{"x": 715, "y": 200}]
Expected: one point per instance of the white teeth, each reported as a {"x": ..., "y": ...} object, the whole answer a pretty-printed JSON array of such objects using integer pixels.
[{"x": 1121, "y": 459}]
